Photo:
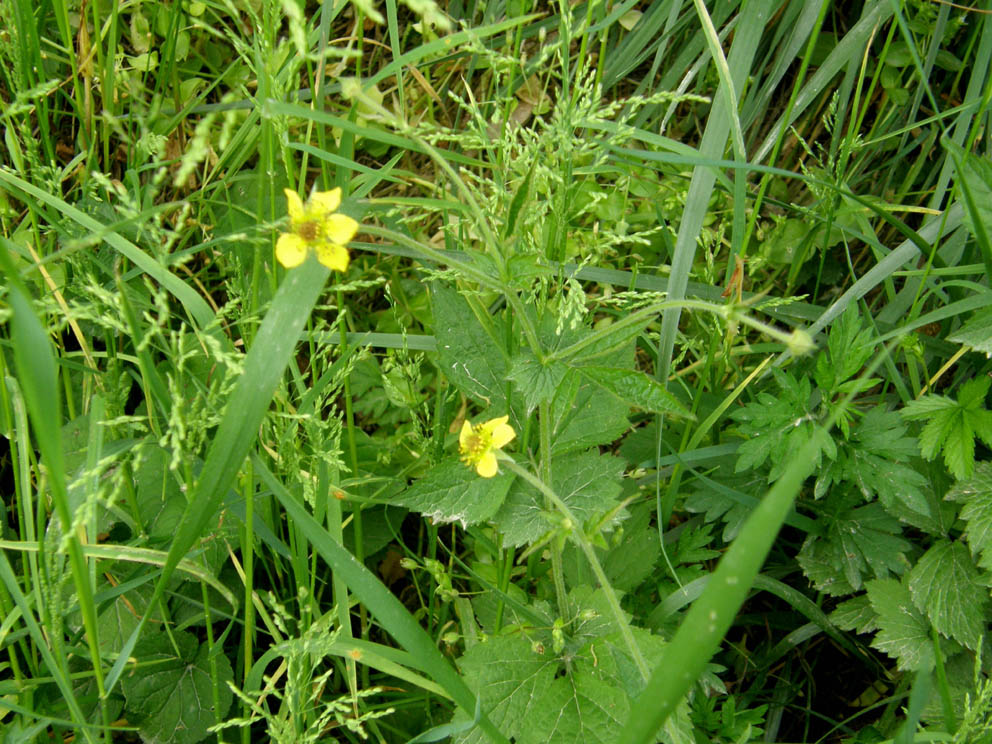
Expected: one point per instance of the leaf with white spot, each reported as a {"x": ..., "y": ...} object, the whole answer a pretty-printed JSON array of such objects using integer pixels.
[{"x": 904, "y": 633}]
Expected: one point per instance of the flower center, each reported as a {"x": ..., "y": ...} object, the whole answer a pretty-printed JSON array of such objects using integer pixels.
[
  {"x": 309, "y": 230},
  {"x": 476, "y": 446}
]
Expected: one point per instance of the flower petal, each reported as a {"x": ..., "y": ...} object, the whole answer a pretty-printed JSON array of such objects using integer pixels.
[
  {"x": 324, "y": 203},
  {"x": 291, "y": 250},
  {"x": 487, "y": 466},
  {"x": 339, "y": 228},
  {"x": 333, "y": 256},
  {"x": 503, "y": 434},
  {"x": 465, "y": 434},
  {"x": 294, "y": 205}
]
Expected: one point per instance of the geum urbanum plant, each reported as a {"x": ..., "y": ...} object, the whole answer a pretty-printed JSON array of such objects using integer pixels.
[
  {"x": 565, "y": 665},
  {"x": 558, "y": 658}
]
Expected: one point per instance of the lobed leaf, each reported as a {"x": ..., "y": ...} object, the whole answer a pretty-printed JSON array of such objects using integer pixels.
[
  {"x": 947, "y": 586},
  {"x": 636, "y": 389},
  {"x": 903, "y": 630},
  {"x": 453, "y": 492},
  {"x": 170, "y": 695}
]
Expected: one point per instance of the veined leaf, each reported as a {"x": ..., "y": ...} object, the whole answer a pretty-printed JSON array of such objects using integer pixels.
[
  {"x": 858, "y": 541},
  {"x": 637, "y": 389},
  {"x": 874, "y": 460},
  {"x": 777, "y": 426},
  {"x": 582, "y": 706},
  {"x": 584, "y": 417},
  {"x": 904, "y": 633},
  {"x": 537, "y": 382},
  {"x": 856, "y": 614},
  {"x": 976, "y": 493},
  {"x": 509, "y": 676},
  {"x": 170, "y": 695},
  {"x": 587, "y": 482},
  {"x": 848, "y": 348},
  {"x": 946, "y": 585},
  {"x": 454, "y": 492},
  {"x": 952, "y": 425},
  {"x": 468, "y": 356}
]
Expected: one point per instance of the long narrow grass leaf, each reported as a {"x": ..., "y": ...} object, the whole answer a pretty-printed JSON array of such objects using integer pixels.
[
  {"x": 383, "y": 604},
  {"x": 264, "y": 365}
]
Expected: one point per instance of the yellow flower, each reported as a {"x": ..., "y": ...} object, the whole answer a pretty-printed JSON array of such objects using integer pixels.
[
  {"x": 316, "y": 226},
  {"x": 478, "y": 444}
]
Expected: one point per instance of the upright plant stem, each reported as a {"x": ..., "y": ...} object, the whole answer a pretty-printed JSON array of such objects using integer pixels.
[
  {"x": 552, "y": 499},
  {"x": 557, "y": 570},
  {"x": 248, "y": 565},
  {"x": 356, "y": 514}
]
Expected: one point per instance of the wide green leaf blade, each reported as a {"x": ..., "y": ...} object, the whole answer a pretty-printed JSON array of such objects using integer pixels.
[
  {"x": 172, "y": 691},
  {"x": 947, "y": 586},
  {"x": 637, "y": 389},
  {"x": 454, "y": 492},
  {"x": 710, "y": 616}
]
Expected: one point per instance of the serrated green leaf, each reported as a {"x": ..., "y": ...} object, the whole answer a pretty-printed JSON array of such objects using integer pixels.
[
  {"x": 467, "y": 354},
  {"x": 632, "y": 560},
  {"x": 848, "y": 346},
  {"x": 946, "y": 585},
  {"x": 873, "y": 460},
  {"x": 776, "y": 426},
  {"x": 976, "y": 332},
  {"x": 857, "y": 541},
  {"x": 508, "y": 676},
  {"x": 536, "y": 381},
  {"x": 170, "y": 695},
  {"x": 590, "y": 616},
  {"x": 822, "y": 565},
  {"x": 587, "y": 482},
  {"x": 716, "y": 505},
  {"x": 121, "y": 617},
  {"x": 976, "y": 493},
  {"x": 453, "y": 492},
  {"x": 856, "y": 614},
  {"x": 904, "y": 633},
  {"x": 583, "y": 706},
  {"x": 636, "y": 389},
  {"x": 891, "y": 481},
  {"x": 953, "y": 425},
  {"x": 584, "y": 417}
]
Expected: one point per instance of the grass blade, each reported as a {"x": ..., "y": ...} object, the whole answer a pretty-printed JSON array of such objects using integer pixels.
[
  {"x": 386, "y": 608},
  {"x": 264, "y": 365}
]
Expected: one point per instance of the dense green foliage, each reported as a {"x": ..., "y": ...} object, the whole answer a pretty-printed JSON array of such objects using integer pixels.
[{"x": 650, "y": 406}]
